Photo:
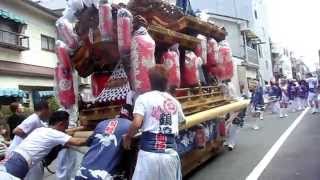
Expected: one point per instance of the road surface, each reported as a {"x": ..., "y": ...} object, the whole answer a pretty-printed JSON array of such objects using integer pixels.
[{"x": 296, "y": 159}]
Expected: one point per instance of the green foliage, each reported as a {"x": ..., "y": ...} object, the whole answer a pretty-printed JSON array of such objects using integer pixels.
[
  {"x": 5, "y": 111},
  {"x": 53, "y": 104}
]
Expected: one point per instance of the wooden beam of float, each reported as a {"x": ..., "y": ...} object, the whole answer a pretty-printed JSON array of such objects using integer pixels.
[
  {"x": 194, "y": 119},
  {"x": 204, "y": 116}
]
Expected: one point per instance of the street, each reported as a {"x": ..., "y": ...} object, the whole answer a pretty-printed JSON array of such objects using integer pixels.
[{"x": 294, "y": 160}]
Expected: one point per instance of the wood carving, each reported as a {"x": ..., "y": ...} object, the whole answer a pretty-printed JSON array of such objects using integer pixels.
[{"x": 162, "y": 14}]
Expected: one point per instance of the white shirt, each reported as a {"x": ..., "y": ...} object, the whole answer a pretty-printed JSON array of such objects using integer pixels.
[
  {"x": 162, "y": 112},
  {"x": 312, "y": 82},
  {"x": 28, "y": 125},
  {"x": 39, "y": 143}
]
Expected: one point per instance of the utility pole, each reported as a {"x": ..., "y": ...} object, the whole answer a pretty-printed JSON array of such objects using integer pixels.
[
  {"x": 319, "y": 56},
  {"x": 318, "y": 68}
]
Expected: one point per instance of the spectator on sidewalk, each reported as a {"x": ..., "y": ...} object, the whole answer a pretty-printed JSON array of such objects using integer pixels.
[
  {"x": 16, "y": 118},
  {"x": 34, "y": 148},
  {"x": 34, "y": 121},
  {"x": 106, "y": 151},
  {"x": 158, "y": 114}
]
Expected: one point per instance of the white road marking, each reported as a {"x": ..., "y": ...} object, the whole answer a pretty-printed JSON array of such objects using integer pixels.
[{"x": 257, "y": 171}]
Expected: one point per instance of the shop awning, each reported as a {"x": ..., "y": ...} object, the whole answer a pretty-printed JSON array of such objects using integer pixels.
[
  {"x": 10, "y": 16},
  {"x": 46, "y": 93},
  {"x": 11, "y": 92}
]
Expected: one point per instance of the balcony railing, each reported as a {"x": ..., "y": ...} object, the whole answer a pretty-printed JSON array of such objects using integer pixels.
[
  {"x": 13, "y": 40},
  {"x": 252, "y": 56}
]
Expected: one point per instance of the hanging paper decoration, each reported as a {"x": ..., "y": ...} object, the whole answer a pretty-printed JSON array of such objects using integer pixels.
[
  {"x": 202, "y": 49},
  {"x": 105, "y": 22},
  {"x": 213, "y": 49},
  {"x": 142, "y": 59},
  {"x": 66, "y": 33},
  {"x": 171, "y": 59},
  {"x": 124, "y": 27},
  {"x": 190, "y": 70}
]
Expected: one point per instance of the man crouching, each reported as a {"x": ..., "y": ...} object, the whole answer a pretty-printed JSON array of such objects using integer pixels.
[
  {"x": 38, "y": 145},
  {"x": 105, "y": 152}
]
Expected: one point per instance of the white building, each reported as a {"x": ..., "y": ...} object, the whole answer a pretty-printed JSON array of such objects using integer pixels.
[
  {"x": 257, "y": 33},
  {"x": 244, "y": 57},
  {"x": 27, "y": 42},
  {"x": 259, "y": 24}
]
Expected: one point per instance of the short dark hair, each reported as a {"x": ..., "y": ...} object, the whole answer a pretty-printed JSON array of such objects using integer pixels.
[
  {"x": 42, "y": 105},
  {"x": 58, "y": 116},
  {"x": 14, "y": 106},
  {"x": 158, "y": 76}
]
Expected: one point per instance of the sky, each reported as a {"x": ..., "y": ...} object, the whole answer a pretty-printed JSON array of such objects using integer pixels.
[{"x": 295, "y": 24}]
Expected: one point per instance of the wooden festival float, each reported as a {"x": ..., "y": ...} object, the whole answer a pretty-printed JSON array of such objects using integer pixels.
[{"x": 203, "y": 103}]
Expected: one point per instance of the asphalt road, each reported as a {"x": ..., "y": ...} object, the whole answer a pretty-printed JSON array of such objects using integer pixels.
[{"x": 296, "y": 159}]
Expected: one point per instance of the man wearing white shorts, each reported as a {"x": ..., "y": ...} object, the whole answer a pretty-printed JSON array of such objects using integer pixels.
[
  {"x": 37, "y": 145},
  {"x": 157, "y": 113},
  {"x": 284, "y": 98},
  {"x": 313, "y": 95}
]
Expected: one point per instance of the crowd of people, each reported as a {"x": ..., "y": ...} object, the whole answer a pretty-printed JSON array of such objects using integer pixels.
[
  {"x": 156, "y": 114},
  {"x": 285, "y": 95}
]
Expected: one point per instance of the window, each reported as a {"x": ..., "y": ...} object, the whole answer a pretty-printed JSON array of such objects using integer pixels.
[
  {"x": 256, "y": 14},
  {"x": 8, "y": 30},
  {"x": 47, "y": 43}
]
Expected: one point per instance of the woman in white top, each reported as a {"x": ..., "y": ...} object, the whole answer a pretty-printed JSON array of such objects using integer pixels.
[
  {"x": 284, "y": 98},
  {"x": 157, "y": 114}
]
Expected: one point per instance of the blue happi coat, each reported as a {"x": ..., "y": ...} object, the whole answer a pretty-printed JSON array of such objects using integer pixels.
[
  {"x": 257, "y": 98},
  {"x": 275, "y": 92},
  {"x": 302, "y": 91},
  {"x": 105, "y": 151},
  {"x": 292, "y": 91}
]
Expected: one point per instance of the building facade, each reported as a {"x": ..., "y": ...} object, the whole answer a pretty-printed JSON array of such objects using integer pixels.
[
  {"x": 282, "y": 62},
  {"x": 253, "y": 11},
  {"x": 286, "y": 64},
  {"x": 244, "y": 57},
  {"x": 299, "y": 68},
  {"x": 27, "y": 43}
]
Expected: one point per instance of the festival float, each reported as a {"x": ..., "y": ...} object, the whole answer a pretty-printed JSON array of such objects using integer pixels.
[{"x": 116, "y": 45}]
